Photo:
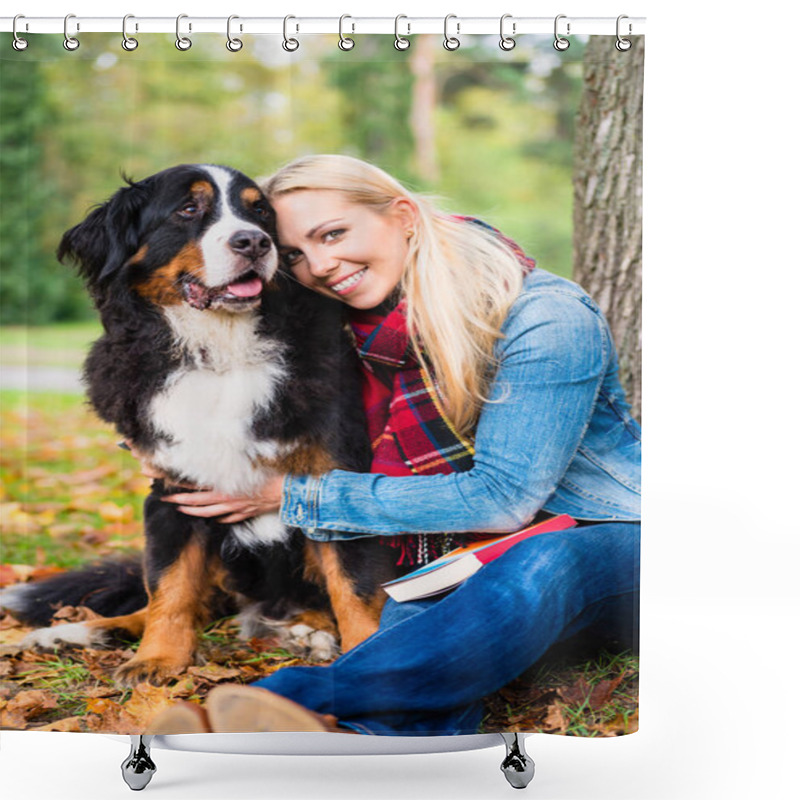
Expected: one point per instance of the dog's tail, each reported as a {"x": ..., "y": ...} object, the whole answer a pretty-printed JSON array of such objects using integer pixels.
[{"x": 111, "y": 588}]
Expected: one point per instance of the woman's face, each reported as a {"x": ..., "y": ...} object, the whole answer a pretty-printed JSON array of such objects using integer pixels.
[{"x": 343, "y": 249}]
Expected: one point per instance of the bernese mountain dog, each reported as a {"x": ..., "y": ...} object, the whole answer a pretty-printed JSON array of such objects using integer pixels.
[{"x": 220, "y": 369}]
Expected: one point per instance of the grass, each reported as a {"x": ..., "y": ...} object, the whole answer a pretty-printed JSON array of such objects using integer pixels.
[
  {"x": 573, "y": 694},
  {"x": 62, "y": 345},
  {"x": 67, "y": 492}
]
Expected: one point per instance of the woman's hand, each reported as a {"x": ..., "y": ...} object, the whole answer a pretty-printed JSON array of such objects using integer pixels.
[
  {"x": 216, "y": 504},
  {"x": 230, "y": 508}
]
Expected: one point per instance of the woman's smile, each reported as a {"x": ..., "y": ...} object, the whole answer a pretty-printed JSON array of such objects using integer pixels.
[{"x": 349, "y": 283}]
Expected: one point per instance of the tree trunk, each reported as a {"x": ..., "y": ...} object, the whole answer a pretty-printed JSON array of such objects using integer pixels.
[
  {"x": 423, "y": 107},
  {"x": 607, "y": 213}
]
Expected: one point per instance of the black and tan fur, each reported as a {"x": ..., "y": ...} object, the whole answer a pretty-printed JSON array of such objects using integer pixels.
[{"x": 220, "y": 370}]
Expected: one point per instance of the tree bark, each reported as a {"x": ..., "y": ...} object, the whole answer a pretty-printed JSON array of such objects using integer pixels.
[{"x": 607, "y": 211}]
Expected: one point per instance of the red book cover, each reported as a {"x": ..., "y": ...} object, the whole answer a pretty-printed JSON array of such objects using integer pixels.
[{"x": 458, "y": 565}]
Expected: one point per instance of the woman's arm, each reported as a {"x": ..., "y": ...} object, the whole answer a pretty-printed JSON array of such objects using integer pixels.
[{"x": 553, "y": 358}]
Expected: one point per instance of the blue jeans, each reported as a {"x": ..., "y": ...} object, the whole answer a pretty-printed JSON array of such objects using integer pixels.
[{"x": 429, "y": 665}]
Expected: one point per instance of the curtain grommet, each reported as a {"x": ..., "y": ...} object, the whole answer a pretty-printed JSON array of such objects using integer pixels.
[
  {"x": 400, "y": 42},
  {"x": 622, "y": 44},
  {"x": 451, "y": 43},
  {"x": 345, "y": 42},
  {"x": 560, "y": 43},
  {"x": 233, "y": 45},
  {"x": 289, "y": 43},
  {"x": 183, "y": 43},
  {"x": 507, "y": 42},
  {"x": 71, "y": 43},
  {"x": 129, "y": 43},
  {"x": 18, "y": 43}
]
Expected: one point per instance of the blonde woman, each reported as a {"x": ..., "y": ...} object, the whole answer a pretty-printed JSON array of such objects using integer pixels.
[{"x": 492, "y": 399}]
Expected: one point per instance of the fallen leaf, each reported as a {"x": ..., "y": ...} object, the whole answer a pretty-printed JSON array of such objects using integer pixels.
[
  {"x": 42, "y": 573},
  {"x": 93, "y": 538},
  {"x": 12, "y": 721},
  {"x": 14, "y": 573},
  {"x": 215, "y": 672},
  {"x": 601, "y": 693},
  {"x": 7, "y": 621},
  {"x": 12, "y": 636},
  {"x": 185, "y": 687},
  {"x": 111, "y": 512},
  {"x": 66, "y": 725},
  {"x": 555, "y": 721},
  {"x": 63, "y": 529},
  {"x": 619, "y": 725},
  {"x": 146, "y": 701},
  {"x": 102, "y": 691},
  {"x": 32, "y": 703},
  {"x": 114, "y": 720},
  {"x": 577, "y": 694},
  {"x": 100, "y": 705},
  {"x": 88, "y": 476},
  {"x": 67, "y": 614}
]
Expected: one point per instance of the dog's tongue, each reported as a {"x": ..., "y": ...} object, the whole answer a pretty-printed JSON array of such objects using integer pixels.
[{"x": 248, "y": 288}]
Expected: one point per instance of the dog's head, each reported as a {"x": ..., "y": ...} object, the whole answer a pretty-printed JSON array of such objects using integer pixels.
[{"x": 194, "y": 234}]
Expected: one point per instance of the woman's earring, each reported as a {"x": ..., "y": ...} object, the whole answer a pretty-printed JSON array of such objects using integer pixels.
[{"x": 409, "y": 233}]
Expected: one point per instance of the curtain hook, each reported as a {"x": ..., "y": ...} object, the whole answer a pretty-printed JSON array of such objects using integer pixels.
[
  {"x": 18, "y": 43},
  {"x": 451, "y": 42},
  {"x": 560, "y": 43},
  {"x": 182, "y": 42},
  {"x": 622, "y": 44},
  {"x": 289, "y": 44},
  {"x": 70, "y": 42},
  {"x": 234, "y": 45},
  {"x": 345, "y": 42},
  {"x": 400, "y": 42},
  {"x": 507, "y": 42},
  {"x": 128, "y": 42}
]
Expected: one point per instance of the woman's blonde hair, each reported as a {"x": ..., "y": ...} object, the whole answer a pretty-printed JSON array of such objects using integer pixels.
[{"x": 459, "y": 279}]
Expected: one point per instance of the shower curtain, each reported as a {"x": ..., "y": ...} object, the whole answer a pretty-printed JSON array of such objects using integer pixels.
[{"x": 538, "y": 142}]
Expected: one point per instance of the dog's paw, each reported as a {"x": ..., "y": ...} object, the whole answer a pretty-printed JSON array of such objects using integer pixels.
[
  {"x": 308, "y": 642},
  {"x": 156, "y": 671},
  {"x": 302, "y": 635},
  {"x": 75, "y": 634}
]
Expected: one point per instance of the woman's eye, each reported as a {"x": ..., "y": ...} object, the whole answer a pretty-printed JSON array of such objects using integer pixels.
[
  {"x": 291, "y": 257},
  {"x": 332, "y": 235}
]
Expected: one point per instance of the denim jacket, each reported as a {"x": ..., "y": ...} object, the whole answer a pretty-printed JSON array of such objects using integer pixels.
[{"x": 557, "y": 435}]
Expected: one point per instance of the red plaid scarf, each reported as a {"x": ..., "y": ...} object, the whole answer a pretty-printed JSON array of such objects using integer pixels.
[{"x": 409, "y": 431}]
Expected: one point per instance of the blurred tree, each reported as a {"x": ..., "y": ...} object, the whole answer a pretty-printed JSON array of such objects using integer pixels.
[
  {"x": 375, "y": 81},
  {"x": 487, "y": 131},
  {"x": 423, "y": 108},
  {"x": 607, "y": 212},
  {"x": 34, "y": 287}
]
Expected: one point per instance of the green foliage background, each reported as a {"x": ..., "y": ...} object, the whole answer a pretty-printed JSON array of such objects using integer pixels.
[{"x": 71, "y": 124}]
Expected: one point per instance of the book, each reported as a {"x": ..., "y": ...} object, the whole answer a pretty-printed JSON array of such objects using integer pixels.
[{"x": 456, "y": 566}]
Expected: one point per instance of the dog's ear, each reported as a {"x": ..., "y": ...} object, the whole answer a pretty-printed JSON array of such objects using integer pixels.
[{"x": 108, "y": 237}]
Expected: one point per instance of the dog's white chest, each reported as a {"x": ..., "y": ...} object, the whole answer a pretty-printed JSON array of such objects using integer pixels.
[{"x": 204, "y": 414}]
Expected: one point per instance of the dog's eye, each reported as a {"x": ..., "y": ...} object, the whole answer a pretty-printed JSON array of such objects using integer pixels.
[
  {"x": 261, "y": 209},
  {"x": 189, "y": 210}
]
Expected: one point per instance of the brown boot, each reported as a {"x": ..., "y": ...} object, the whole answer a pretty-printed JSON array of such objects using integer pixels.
[
  {"x": 183, "y": 717},
  {"x": 242, "y": 709},
  {"x": 237, "y": 709}
]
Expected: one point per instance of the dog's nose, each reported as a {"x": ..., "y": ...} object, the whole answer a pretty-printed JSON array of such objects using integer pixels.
[{"x": 252, "y": 244}]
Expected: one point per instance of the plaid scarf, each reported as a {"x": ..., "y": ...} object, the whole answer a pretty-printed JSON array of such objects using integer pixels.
[{"x": 408, "y": 428}]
